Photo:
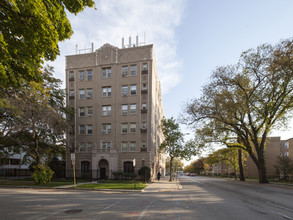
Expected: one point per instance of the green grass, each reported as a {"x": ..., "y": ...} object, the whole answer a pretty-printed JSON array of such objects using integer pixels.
[{"x": 130, "y": 186}]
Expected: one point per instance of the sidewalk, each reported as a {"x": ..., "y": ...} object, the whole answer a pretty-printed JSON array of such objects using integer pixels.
[
  {"x": 164, "y": 185},
  {"x": 156, "y": 186}
]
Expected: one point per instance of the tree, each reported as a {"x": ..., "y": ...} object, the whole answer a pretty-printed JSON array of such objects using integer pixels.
[
  {"x": 244, "y": 102},
  {"x": 199, "y": 166},
  {"x": 284, "y": 166},
  {"x": 173, "y": 142},
  {"x": 177, "y": 164},
  {"x": 29, "y": 33},
  {"x": 228, "y": 156},
  {"x": 189, "y": 168},
  {"x": 35, "y": 121}
]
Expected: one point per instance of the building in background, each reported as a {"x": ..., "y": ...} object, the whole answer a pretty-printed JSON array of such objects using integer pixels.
[
  {"x": 116, "y": 95},
  {"x": 12, "y": 166},
  {"x": 275, "y": 147}
]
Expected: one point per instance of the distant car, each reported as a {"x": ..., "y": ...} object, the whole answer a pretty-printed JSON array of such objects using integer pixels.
[{"x": 191, "y": 174}]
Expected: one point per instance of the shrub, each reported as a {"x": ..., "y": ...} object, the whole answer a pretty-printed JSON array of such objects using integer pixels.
[
  {"x": 118, "y": 175},
  {"x": 42, "y": 174},
  {"x": 145, "y": 173}
]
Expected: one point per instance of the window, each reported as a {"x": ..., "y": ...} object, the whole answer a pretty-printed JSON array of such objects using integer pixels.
[
  {"x": 81, "y": 93},
  {"x": 286, "y": 154},
  {"x": 106, "y": 145},
  {"x": 144, "y": 86},
  {"x": 128, "y": 167},
  {"x": 133, "y": 90},
  {"x": 124, "y": 146},
  {"x": 71, "y": 93},
  {"x": 143, "y": 106},
  {"x": 124, "y": 90},
  {"x": 89, "y": 93},
  {"x": 133, "y": 70},
  {"x": 81, "y": 147},
  {"x": 124, "y": 128},
  {"x": 106, "y": 72},
  {"x": 81, "y": 75},
  {"x": 144, "y": 125},
  {"x": 287, "y": 145},
  {"x": 81, "y": 129},
  {"x": 106, "y": 91},
  {"x": 124, "y": 109},
  {"x": 132, "y": 146},
  {"x": 132, "y": 127},
  {"x": 132, "y": 108},
  {"x": 89, "y": 111},
  {"x": 71, "y": 75},
  {"x": 14, "y": 161},
  {"x": 85, "y": 167},
  {"x": 89, "y": 146},
  {"x": 81, "y": 112},
  {"x": 89, "y": 74},
  {"x": 106, "y": 128},
  {"x": 124, "y": 70},
  {"x": 143, "y": 144},
  {"x": 144, "y": 66},
  {"x": 106, "y": 110},
  {"x": 89, "y": 129}
]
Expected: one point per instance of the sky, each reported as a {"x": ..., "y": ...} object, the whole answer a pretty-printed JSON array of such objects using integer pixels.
[{"x": 190, "y": 37}]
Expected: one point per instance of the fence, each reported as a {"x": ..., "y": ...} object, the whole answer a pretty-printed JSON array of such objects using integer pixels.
[{"x": 14, "y": 173}]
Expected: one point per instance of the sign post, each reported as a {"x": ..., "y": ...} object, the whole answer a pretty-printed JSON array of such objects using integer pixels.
[
  {"x": 133, "y": 162},
  {"x": 73, "y": 164}
]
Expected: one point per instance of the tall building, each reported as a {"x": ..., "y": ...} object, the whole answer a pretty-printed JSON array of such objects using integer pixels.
[{"x": 116, "y": 96}]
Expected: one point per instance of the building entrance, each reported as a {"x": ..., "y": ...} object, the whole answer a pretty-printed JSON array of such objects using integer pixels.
[{"x": 103, "y": 169}]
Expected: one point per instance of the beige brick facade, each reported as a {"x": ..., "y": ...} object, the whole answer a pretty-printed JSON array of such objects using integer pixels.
[
  {"x": 116, "y": 95},
  {"x": 275, "y": 147},
  {"x": 272, "y": 152}
]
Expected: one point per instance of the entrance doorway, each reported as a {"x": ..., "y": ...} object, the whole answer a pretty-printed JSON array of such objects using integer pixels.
[
  {"x": 103, "y": 169},
  {"x": 103, "y": 173}
]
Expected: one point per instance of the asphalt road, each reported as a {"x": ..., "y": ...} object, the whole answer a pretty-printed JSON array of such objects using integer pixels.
[{"x": 200, "y": 198}]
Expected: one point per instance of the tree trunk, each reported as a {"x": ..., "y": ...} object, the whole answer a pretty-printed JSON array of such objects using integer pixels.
[
  {"x": 241, "y": 173},
  {"x": 262, "y": 171},
  {"x": 171, "y": 168}
]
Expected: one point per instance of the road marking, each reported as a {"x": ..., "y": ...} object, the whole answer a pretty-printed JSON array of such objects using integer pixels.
[
  {"x": 281, "y": 207},
  {"x": 145, "y": 210},
  {"x": 110, "y": 206},
  {"x": 283, "y": 215}
]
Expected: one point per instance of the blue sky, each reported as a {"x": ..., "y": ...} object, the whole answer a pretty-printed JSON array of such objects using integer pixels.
[{"x": 191, "y": 37}]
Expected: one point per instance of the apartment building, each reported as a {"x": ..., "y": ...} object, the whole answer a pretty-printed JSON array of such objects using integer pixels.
[
  {"x": 272, "y": 152},
  {"x": 285, "y": 149},
  {"x": 274, "y": 147},
  {"x": 116, "y": 95}
]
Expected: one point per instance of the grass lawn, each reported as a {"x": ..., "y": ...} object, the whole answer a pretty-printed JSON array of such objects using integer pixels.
[{"x": 130, "y": 186}]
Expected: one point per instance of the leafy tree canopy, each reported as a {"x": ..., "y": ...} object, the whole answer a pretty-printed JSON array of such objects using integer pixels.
[
  {"x": 29, "y": 33},
  {"x": 244, "y": 102},
  {"x": 34, "y": 120},
  {"x": 173, "y": 142}
]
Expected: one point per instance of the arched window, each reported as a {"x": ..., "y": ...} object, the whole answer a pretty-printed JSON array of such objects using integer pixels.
[
  {"x": 85, "y": 167},
  {"x": 128, "y": 167}
]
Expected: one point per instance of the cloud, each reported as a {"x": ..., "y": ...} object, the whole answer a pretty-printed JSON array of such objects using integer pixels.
[{"x": 114, "y": 19}]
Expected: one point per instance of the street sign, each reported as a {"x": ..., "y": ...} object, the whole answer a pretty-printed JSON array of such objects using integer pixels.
[
  {"x": 72, "y": 156},
  {"x": 73, "y": 162}
]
